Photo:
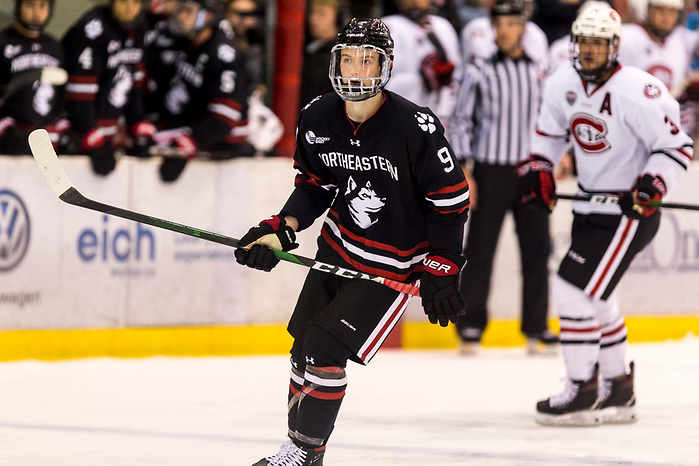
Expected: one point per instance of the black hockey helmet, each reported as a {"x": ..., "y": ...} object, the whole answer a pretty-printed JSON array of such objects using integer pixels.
[
  {"x": 215, "y": 8},
  {"x": 368, "y": 36},
  {"x": 29, "y": 26},
  {"x": 372, "y": 32},
  {"x": 507, "y": 8}
]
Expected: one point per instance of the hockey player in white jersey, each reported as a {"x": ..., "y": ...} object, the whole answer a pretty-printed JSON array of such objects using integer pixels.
[
  {"x": 478, "y": 41},
  {"x": 624, "y": 128},
  {"x": 428, "y": 58},
  {"x": 661, "y": 46}
]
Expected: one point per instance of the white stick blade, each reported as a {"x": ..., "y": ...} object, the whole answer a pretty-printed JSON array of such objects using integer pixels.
[
  {"x": 45, "y": 156},
  {"x": 54, "y": 75}
]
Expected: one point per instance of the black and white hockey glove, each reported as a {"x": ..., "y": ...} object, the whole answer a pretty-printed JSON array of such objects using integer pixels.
[
  {"x": 440, "y": 287},
  {"x": 636, "y": 203},
  {"x": 256, "y": 246}
]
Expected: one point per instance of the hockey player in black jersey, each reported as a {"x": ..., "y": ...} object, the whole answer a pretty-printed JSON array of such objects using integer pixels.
[
  {"x": 104, "y": 58},
  {"x": 197, "y": 75},
  {"x": 397, "y": 203},
  {"x": 24, "y": 46}
]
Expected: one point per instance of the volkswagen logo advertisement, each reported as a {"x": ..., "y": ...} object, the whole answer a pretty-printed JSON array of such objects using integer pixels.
[{"x": 14, "y": 230}]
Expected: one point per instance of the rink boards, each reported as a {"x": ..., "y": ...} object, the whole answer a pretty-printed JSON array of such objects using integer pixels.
[{"x": 77, "y": 283}]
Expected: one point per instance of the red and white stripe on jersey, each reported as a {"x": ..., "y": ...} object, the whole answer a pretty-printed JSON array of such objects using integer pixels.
[
  {"x": 227, "y": 110},
  {"x": 450, "y": 199},
  {"x": 613, "y": 333},
  {"x": 303, "y": 177},
  {"x": 81, "y": 87},
  {"x": 682, "y": 155},
  {"x": 576, "y": 331},
  {"x": 370, "y": 256},
  {"x": 239, "y": 132},
  {"x": 108, "y": 127},
  {"x": 383, "y": 329},
  {"x": 613, "y": 256}
]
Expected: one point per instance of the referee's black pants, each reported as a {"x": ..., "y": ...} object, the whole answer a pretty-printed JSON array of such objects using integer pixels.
[{"x": 497, "y": 193}]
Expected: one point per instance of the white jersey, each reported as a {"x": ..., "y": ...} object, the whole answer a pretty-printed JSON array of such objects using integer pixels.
[
  {"x": 478, "y": 41},
  {"x": 669, "y": 62},
  {"x": 411, "y": 48},
  {"x": 626, "y": 127},
  {"x": 559, "y": 52}
]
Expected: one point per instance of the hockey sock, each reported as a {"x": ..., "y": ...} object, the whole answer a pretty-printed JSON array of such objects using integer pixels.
[
  {"x": 295, "y": 386},
  {"x": 580, "y": 331},
  {"x": 319, "y": 403},
  {"x": 613, "y": 344},
  {"x": 612, "y": 356}
]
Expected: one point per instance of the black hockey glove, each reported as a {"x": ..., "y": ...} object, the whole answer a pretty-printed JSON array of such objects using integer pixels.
[
  {"x": 636, "y": 203},
  {"x": 535, "y": 181},
  {"x": 14, "y": 141},
  {"x": 439, "y": 287},
  {"x": 141, "y": 139},
  {"x": 171, "y": 168},
  {"x": 100, "y": 151},
  {"x": 256, "y": 246}
]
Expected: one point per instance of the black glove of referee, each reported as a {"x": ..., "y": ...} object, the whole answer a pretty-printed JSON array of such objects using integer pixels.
[{"x": 439, "y": 287}]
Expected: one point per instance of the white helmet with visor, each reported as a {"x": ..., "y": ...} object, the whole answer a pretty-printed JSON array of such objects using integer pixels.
[{"x": 596, "y": 22}]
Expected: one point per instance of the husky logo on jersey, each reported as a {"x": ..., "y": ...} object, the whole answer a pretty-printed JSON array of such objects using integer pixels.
[
  {"x": 426, "y": 122},
  {"x": 590, "y": 133},
  {"x": 226, "y": 53},
  {"x": 364, "y": 204},
  {"x": 313, "y": 139},
  {"x": 651, "y": 91},
  {"x": 12, "y": 50},
  {"x": 42, "y": 99},
  {"x": 571, "y": 97},
  {"x": 93, "y": 29},
  {"x": 123, "y": 82},
  {"x": 176, "y": 98}
]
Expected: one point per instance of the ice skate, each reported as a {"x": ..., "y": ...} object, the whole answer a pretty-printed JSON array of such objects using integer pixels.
[
  {"x": 545, "y": 343},
  {"x": 469, "y": 340},
  {"x": 576, "y": 406},
  {"x": 617, "y": 400},
  {"x": 292, "y": 455}
]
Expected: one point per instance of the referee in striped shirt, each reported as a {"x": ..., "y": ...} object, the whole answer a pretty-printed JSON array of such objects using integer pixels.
[{"x": 491, "y": 128}]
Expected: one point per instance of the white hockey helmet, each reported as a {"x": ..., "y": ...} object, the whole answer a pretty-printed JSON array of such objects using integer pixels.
[
  {"x": 639, "y": 8},
  {"x": 599, "y": 21}
]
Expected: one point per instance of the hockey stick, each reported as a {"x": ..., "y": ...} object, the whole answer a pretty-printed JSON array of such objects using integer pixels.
[
  {"x": 50, "y": 75},
  {"x": 610, "y": 200},
  {"x": 45, "y": 156}
]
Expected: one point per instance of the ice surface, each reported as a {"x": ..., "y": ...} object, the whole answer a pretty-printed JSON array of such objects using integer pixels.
[{"x": 405, "y": 408}]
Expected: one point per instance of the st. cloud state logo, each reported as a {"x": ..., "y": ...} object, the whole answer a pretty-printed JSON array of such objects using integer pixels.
[{"x": 425, "y": 122}]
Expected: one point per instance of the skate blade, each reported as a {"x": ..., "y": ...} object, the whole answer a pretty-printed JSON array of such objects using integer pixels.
[
  {"x": 587, "y": 418},
  {"x": 536, "y": 348},
  {"x": 619, "y": 415}
]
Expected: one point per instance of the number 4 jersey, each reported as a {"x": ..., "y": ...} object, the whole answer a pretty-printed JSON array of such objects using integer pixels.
[{"x": 625, "y": 127}]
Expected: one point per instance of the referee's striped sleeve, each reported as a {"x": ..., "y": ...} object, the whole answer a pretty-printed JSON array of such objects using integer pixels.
[{"x": 461, "y": 125}]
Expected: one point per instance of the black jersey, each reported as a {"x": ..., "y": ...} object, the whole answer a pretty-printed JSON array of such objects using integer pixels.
[
  {"x": 105, "y": 67},
  {"x": 392, "y": 183},
  {"x": 207, "y": 91},
  {"x": 35, "y": 105}
]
